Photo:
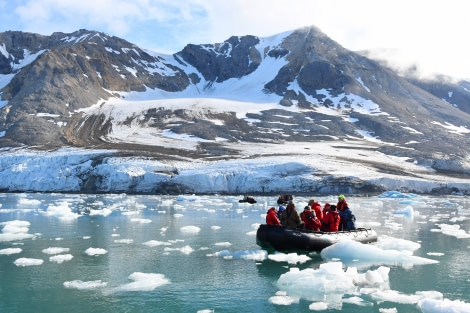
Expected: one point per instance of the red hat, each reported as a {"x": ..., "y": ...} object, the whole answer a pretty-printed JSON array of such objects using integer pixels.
[{"x": 326, "y": 205}]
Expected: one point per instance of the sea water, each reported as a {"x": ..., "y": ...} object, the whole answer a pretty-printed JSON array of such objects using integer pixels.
[{"x": 149, "y": 253}]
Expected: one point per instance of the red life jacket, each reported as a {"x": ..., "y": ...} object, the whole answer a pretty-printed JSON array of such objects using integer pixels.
[
  {"x": 312, "y": 223},
  {"x": 341, "y": 205},
  {"x": 331, "y": 221},
  {"x": 318, "y": 211},
  {"x": 271, "y": 217}
]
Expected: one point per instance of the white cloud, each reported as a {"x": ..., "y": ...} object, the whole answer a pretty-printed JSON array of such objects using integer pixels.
[{"x": 430, "y": 32}]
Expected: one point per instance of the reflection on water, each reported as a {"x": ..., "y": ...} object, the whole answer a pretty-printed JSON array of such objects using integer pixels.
[{"x": 190, "y": 254}]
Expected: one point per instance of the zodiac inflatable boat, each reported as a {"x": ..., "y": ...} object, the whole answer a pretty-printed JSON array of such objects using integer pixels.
[{"x": 285, "y": 239}]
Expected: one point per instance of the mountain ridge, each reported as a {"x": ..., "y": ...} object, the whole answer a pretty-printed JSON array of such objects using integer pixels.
[{"x": 317, "y": 91}]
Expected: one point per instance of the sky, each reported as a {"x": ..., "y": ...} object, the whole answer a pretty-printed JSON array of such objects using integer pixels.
[{"x": 431, "y": 32}]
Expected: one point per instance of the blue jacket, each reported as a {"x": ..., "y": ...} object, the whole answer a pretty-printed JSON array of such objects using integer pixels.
[{"x": 348, "y": 220}]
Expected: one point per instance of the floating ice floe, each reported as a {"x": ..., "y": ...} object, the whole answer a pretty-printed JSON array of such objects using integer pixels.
[
  {"x": 141, "y": 220},
  {"x": 255, "y": 255},
  {"x": 61, "y": 258},
  {"x": 10, "y": 251},
  {"x": 15, "y": 230},
  {"x": 144, "y": 282},
  {"x": 190, "y": 229},
  {"x": 452, "y": 230},
  {"x": 353, "y": 253},
  {"x": 291, "y": 258},
  {"x": 184, "y": 250},
  {"x": 28, "y": 262},
  {"x": 62, "y": 211},
  {"x": 55, "y": 250},
  {"x": 443, "y": 306},
  {"x": 156, "y": 243},
  {"x": 84, "y": 285},
  {"x": 95, "y": 251}
]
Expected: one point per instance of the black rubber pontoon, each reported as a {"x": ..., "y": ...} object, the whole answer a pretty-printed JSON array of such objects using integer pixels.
[{"x": 286, "y": 239}]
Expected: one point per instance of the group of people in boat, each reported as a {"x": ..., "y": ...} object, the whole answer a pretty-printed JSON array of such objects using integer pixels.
[
  {"x": 330, "y": 218},
  {"x": 247, "y": 199},
  {"x": 284, "y": 199}
]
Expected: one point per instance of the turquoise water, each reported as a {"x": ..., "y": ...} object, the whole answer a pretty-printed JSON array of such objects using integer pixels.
[{"x": 199, "y": 254}]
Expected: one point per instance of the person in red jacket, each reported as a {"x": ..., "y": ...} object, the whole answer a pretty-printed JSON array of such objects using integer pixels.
[
  {"x": 304, "y": 213},
  {"x": 342, "y": 203},
  {"x": 348, "y": 219},
  {"x": 316, "y": 207},
  {"x": 326, "y": 208},
  {"x": 331, "y": 220},
  {"x": 271, "y": 217},
  {"x": 311, "y": 222}
]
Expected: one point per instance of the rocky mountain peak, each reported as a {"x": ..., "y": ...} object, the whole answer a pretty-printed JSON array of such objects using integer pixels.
[{"x": 337, "y": 94}]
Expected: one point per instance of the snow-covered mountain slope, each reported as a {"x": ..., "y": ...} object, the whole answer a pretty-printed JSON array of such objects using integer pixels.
[{"x": 294, "y": 98}]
